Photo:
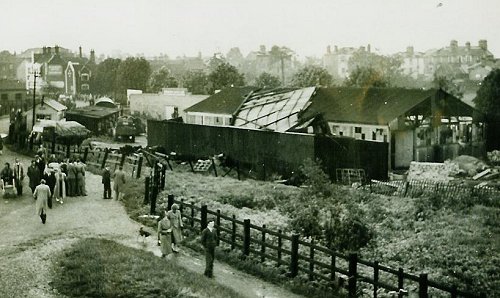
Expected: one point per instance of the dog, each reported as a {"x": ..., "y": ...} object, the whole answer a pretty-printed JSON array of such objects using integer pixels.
[{"x": 143, "y": 233}]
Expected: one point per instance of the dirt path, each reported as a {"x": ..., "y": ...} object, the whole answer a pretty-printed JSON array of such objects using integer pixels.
[{"x": 27, "y": 248}]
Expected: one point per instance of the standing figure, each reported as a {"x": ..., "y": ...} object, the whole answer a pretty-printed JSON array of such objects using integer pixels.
[
  {"x": 42, "y": 152},
  {"x": 80, "y": 177},
  {"x": 119, "y": 183},
  {"x": 42, "y": 195},
  {"x": 33, "y": 175},
  {"x": 106, "y": 181},
  {"x": 209, "y": 242},
  {"x": 71, "y": 179},
  {"x": 40, "y": 163},
  {"x": 7, "y": 175},
  {"x": 60, "y": 187},
  {"x": 165, "y": 235},
  {"x": 18, "y": 176},
  {"x": 176, "y": 220},
  {"x": 50, "y": 181}
]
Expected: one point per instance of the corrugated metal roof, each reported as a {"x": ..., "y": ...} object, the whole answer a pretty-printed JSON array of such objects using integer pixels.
[
  {"x": 276, "y": 110},
  {"x": 226, "y": 101}
]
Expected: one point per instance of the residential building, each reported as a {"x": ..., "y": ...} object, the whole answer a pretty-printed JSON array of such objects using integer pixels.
[
  {"x": 8, "y": 65},
  {"x": 13, "y": 95},
  {"x": 48, "y": 109},
  {"x": 412, "y": 63},
  {"x": 336, "y": 62}
]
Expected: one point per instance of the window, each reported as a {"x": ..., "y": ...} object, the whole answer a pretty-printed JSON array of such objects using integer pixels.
[
  {"x": 18, "y": 96},
  {"x": 85, "y": 77},
  {"x": 85, "y": 87},
  {"x": 357, "y": 129},
  {"x": 341, "y": 133},
  {"x": 42, "y": 117},
  {"x": 362, "y": 136},
  {"x": 5, "y": 96},
  {"x": 374, "y": 136}
]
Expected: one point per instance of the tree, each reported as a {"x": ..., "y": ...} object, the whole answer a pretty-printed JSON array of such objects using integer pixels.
[
  {"x": 162, "y": 78},
  {"x": 225, "y": 75},
  {"x": 103, "y": 79},
  {"x": 266, "y": 80},
  {"x": 196, "y": 82},
  {"x": 235, "y": 58},
  {"x": 133, "y": 73},
  {"x": 488, "y": 96},
  {"x": 278, "y": 56},
  {"x": 366, "y": 77},
  {"x": 312, "y": 76}
]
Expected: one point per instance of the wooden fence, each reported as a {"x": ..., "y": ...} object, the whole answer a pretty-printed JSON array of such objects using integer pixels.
[
  {"x": 101, "y": 158},
  {"x": 448, "y": 191},
  {"x": 301, "y": 256}
]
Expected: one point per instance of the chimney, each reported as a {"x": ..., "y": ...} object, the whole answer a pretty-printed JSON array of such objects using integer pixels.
[
  {"x": 328, "y": 50},
  {"x": 453, "y": 44},
  {"x": 369, "y": 48},
  {"x": 483, "y": 44},
  {"x": 409, "y": 50},
  {"x": 92, "y": 56},
  {"x": 336, "y": 49},
  {"x": 56, "y": 49},
  {"x": 80, "y": 52},
  {"x": 44, "y": 50},
  {"x": 263, "y": 48},
  {"x": 467, "y": 46},
  {"x": 49, "y": 50}
]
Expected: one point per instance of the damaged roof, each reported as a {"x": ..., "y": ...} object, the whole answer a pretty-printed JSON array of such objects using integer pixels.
[{"x": 225, "y": 101}]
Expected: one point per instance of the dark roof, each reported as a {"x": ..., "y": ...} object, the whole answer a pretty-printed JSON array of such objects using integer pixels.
[
  {"x": 92, "y": 112},
  {"x": 225, "y": 101},
  {"x": 11, "y": 85},
  {"x": 379, "y": 106}
]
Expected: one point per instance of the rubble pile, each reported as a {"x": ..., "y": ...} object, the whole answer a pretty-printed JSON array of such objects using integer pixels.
[
  {"x": 439, "y": 172},
  {"x": 469, "y": 165}
]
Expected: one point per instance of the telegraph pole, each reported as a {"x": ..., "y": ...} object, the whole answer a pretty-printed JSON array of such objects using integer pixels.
[{"x": 35, "y": 75}]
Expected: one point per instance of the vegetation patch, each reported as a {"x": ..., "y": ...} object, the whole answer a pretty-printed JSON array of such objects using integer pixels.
[{"x": 102, "y": 268}]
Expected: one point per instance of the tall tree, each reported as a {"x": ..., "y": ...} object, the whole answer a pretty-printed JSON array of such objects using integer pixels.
[
  {"x": 133, "y": 73},
  {"x": 312, "y": 76},
  {"x": 366, "y": 77},
  {"x": 162, "y": 78},
  {"x": 196, "y": 82},
  {"x": 488, "y": 102},
  {"x": 266, "y": 80},
  {"x": 281, "y": 56},
  {"x": 104, "y": 78},
  {"x": 383, "y": 70},
  {"x": 225, "y": 75}
]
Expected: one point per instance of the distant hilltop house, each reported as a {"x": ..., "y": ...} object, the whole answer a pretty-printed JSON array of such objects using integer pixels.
[
  {"x": 169, "y": 104},
  {"x": 419, "y": 125}
]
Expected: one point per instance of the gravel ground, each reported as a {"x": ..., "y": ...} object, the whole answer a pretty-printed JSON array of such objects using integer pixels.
[{"x": 28, "y": 248}]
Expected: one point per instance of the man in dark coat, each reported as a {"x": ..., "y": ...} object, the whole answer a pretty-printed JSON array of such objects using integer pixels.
[
  {"x": 106, "y": 181},
  {"x": 34, "y": 175},
  {"x": 209, "y": 242},
  {"x": 18, "y": 176}
]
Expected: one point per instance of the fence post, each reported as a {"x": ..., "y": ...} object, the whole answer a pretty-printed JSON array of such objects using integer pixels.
[
  {"x": 146, "y": 190},
  {"x": 106, "y": 152},
  {"x": 246, "y": 237},
  {"x": 311, "y": 262},
  {"x": 353, "y": 272},
  {"x": 238, "y": 169},
  {"x": 454, "y": 291},
  {"x": 400, "y": 278},
  {"x": 122, "y": 159},
  {"x": 263, "y": 245},
  {"x": 279, "y": 247},
  {"x": 154, "y": 194},
  {"x": 332, "y": 269},
  {"x": 294, "y": 256},
  {"x": 139, "y": 166},
  {"x": 170, "y": 201},
  {"x": 85, "y": 154},
  {"x": 233, "y": 232},
  {"x": 213, "y": 165},
  {"x": 68, "y": 150},
  {"x": 423, "y": 284},
  {"x": 375, "y": 279},
  {"x": 204, "y": 213},
  {"x": 163, "y": 176},
  {"x": 217, "y": 224}
]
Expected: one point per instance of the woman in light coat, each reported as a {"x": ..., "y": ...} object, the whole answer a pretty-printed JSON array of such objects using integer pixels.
[
  {"x": 165, "y": 235},
  {"x": 176, "y": 221},
  {"x": 42, "y": 195}
]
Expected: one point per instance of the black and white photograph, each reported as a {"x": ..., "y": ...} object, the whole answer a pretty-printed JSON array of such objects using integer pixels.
[{"x": 254, "y": 149}]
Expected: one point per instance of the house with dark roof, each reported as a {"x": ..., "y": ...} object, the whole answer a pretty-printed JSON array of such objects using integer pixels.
[
  {"x": 220, "y": 108},
  {"x": 48, "y": 109},
  {"x": 419, "y": 125},
  {"x": 99, "y": 120},
  {"x": 12, "y": 96}
]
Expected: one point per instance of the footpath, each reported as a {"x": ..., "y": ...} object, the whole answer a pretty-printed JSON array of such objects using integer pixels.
[{"x": 28, "y": 249}]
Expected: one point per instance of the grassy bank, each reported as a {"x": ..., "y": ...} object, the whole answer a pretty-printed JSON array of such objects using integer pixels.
[{"x": 103, "y": 268}]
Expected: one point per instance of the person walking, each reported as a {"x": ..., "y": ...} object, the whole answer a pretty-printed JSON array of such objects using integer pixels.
[
  {"x": 106, "y": 181},
  {"x": 165, "y": 235},
  {"x": 176, "y": 220},
  {"x": 60, "y": 187},
  {"x": 42, "y": 195},
  {"x": 80, "y": 177},
  {"x": 7, "y": 175},
  {"x": 40, "y": 163},
  {"x": 50, "y": 180},
  {"x": 72, "y": 191},
  {"x": 119, "y": 183},
  {"x": 33, "y": 175},
  {"x": 18, "y": 176},
  {"x": 209, "y": 242}
]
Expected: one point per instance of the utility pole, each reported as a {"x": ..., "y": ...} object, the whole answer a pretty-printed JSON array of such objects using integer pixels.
[{"x": 35, "y": 75}]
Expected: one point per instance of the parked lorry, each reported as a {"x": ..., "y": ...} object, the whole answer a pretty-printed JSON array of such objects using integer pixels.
[{"x": 127, "y": 128}]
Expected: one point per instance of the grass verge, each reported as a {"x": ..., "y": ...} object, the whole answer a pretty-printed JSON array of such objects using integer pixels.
[{"x": 103, "y": 268}]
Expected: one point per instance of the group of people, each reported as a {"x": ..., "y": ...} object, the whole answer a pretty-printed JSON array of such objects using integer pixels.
[
  {"x": 170, "y": 235},
  {"x": 119, "y": 182}
]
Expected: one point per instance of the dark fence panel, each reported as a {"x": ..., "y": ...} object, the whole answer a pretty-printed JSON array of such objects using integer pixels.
[{"x": 267, "y": 152}]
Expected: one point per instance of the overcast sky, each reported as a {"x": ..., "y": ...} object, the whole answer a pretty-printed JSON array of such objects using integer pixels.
[{"x": 178, "y": 27}]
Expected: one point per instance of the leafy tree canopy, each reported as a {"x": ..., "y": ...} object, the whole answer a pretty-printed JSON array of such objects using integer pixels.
[
  {"x": 103, "y": 79},
  {"x": 133, "y": 73},
  {"x": 488, "y": 96},
  {"x": 366, "y": 77},
  {"x": 266, "y": 80},
  {"x": 225, "y": 75},
  {"x": 162, "y": 78},
  {"x": 312, "y": 76},
  {"x": 368, "y": 67},
  {"x": 196, "y": 82}
]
